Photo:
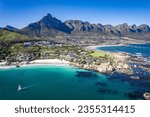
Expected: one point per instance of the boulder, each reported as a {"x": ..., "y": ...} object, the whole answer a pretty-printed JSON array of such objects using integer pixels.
[{"x": 146, "y": 96}]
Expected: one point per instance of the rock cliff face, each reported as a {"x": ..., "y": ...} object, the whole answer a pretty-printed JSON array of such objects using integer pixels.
[
  {"x": 49, "y": 25},
  {"x": 143, "y": 28},
  {"x": 77, "y": 25},
  {"x": 79, "y": 32}
]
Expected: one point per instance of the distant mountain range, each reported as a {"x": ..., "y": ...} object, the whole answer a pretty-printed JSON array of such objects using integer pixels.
[
  {"x": 50, "y": 26},
  {"x": 11, "y": 28}
]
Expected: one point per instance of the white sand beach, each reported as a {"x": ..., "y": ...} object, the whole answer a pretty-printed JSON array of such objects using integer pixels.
[
  {"x": 49, "y": 61},
  {"x": 94, "y": 47},
  {"x": 55, "y": 62}
]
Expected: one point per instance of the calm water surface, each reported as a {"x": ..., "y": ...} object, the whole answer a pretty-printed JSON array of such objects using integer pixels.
[
  {"x": 60, "y": 82},
  {"x": 66, "y": 82}
]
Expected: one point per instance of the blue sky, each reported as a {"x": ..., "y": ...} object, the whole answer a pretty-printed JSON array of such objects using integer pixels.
[{"x": 19, "y": 13}]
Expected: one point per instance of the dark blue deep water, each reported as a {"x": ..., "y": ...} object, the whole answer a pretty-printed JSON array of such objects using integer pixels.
[
  {"x": 67, "y": 82},
  {"x": 143, "y": 49},
  {"x": 139, "y": 50}
]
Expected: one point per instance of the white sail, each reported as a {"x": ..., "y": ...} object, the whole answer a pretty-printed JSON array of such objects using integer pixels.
[
  {"x": 23, "y": 88},
  {"x": 19, "y": 88}
]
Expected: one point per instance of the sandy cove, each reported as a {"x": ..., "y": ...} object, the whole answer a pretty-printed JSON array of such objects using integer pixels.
[
  {"x": 55, "y": 62},
  {"x": 49, "y": 61},
  {"x": 96, "y": 46},
  {"x": 120, "y": 66}
]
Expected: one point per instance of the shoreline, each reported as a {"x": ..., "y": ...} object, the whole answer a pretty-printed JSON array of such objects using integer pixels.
[
  {"x": 119, "y": 64},
  {"x": 108, "y": 45},
  {"x": 103, "y": 68},
  {"x": 120, "y": 60},
  {"x": 94, "y": 47},
  {"x": 38, "y": 62}
]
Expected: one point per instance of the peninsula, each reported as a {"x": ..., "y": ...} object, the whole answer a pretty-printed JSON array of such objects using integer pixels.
[{"x": 72, "y": 41}]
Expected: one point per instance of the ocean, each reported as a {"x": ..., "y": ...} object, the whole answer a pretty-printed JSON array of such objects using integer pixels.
[
  {"x": 59, "y": 83},
  {"x": 72, "y": 83},
  {"x": 142, "y": 49}
]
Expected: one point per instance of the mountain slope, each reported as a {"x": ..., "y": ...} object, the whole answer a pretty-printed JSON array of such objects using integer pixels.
[
  {"x": 47, "y": 26},
  {"x": 10, "y": 28},
  {"x": 7, "y": 37},
  {"x": 50, "y": 26},
  {"x": 77, "y": 25}
]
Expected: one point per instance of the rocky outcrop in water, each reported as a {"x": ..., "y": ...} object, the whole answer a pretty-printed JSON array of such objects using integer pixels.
[
  {"x": 119, "y": 65},
  {"x": 146, "y": 96}
]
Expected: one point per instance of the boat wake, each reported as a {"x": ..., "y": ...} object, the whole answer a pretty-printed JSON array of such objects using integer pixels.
[{"x": 20, "y": 88}]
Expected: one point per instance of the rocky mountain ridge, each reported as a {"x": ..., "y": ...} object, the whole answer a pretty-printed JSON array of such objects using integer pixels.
[
  {"x": 47, "y": 26},
  {"x": 50, "y": 26}
]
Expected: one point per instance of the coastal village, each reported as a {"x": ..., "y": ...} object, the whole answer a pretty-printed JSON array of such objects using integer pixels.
[
  {"x": 88, "y": 57},
  {"x": 74, "y": 44},
  {"x": 97, "y": 60}
]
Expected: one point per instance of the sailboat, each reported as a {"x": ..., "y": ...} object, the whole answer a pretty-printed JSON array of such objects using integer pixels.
[{"x": 20, "y": 88}]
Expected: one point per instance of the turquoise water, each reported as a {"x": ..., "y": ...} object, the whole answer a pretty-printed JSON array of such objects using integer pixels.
[
  {"x": 60, "y": 82},
  {"x": 67, "y": 82},
  {"x": 143, "y": 84}
]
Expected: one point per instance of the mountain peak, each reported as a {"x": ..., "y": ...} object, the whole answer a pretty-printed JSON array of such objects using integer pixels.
[
  {"x": 49, "y": 15},
  {"x": 48, "y": 25},
  {"x": 144, "y": 28},
  {"x": 11, "y": 28}
]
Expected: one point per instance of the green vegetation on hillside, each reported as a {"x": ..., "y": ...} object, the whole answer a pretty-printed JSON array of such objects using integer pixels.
[
  {"x": 13, "y": 49},
  {"x": 98, "y": 54},
  {"x": 7, "y": 37},
  {"x": 75, "y": 54}
]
